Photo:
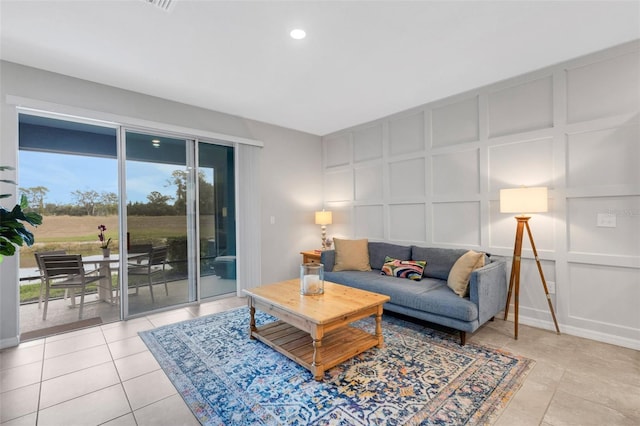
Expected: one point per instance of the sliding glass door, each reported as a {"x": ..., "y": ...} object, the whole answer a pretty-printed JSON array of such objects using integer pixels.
[
  {"x": 68, "y": 170},
  {"x": 176, "y": 210},
  {"x": 165, "y": 203},
  {"x": 160, "y": 221},
  {"x": 216, "y": 217}
]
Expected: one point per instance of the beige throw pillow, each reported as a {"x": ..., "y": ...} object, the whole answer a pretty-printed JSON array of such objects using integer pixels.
[
  {"x": 460, "y": 273},
  {"x": 351, "y": 255}
]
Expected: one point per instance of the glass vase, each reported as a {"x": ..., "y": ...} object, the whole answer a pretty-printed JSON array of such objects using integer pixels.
[{"x": 311, "y": 279}]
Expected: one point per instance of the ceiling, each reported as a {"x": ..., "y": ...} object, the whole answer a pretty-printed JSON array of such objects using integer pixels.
[{"x": 360, "y": 61}]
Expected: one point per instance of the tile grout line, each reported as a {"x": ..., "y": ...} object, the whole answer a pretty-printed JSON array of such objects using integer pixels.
[
  {"x": 124, "y": 391},
  {"x": 44, "y": 347},
  {"x": 46, "y": 342}
]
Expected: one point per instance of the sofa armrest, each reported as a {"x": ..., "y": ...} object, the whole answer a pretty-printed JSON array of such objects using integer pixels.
[
  {"x": 328, "y": 259},
  {"x": 488, "y": 289}
]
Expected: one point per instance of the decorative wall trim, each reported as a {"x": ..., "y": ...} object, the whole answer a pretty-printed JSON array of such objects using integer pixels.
[{"x": 560, "y": 127}]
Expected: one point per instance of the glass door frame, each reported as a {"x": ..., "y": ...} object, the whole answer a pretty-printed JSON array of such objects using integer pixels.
[
  {"x": 119, "y": 123},
  {"x": 193, "y": 249}
]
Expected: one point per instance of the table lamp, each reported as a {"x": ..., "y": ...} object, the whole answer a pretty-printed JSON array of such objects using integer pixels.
[
  {"x": 323, "y": 218},
  {"x": 524, "y": 200}
]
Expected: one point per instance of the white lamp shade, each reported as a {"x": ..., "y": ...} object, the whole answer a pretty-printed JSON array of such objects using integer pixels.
[
  {"x": 323, "y": 218},
  {"x": 524, "y": 200}
]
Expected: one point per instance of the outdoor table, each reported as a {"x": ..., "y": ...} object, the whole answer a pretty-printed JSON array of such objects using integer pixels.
[{"x": 103, "y": 264}]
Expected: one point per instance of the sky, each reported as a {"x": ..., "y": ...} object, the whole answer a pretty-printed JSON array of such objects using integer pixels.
[{"x": 62, "y": 174}]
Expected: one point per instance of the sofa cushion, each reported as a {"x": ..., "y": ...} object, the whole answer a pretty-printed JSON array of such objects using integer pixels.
[
  {"x": 328, "y": 259},
  {"x": 458, "y": 280},
  {"x": 379, "y": 251},
  {"x": 439, "y": 260},
  {"x": 351, "y": 255},
  {"x": 411, "y": 269},
  {"x": 429, "y": 295}
]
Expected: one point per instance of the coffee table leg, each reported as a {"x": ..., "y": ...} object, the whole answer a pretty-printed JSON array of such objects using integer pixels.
[
  {"x": 252, "y": 320},
  {"x": 316, "y": 363},
  {"x": 379, "y": 327}
]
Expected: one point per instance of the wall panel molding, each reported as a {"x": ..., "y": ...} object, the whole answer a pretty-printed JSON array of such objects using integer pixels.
[
  {"x": 367, "y": 143},
  {"x": 520, "y": 108},
  {"x": 457, "y": 223},
  {"x": 604, "y": 88},
  {"x": 528, "y": 163},
  {"x": 455, "y": 123},
  {"x": 368, "y": 182},
  {"x": 337, "y": 150},
  {"x": 407, "y": 222},
  {"x": 457, "y": 173},
  {"x": 407, "y": 133},
  {"x": 573, "y": 127}
]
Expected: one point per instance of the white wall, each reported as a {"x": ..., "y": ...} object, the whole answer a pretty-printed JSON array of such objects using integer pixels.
[
  {"x": 290, "y": 165},
  {"x": 431, "y": 176},
  {"x": 291, "y": 193}
]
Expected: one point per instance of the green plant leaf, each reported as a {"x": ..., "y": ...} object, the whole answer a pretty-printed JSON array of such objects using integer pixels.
[
  {"x": 33, "y": 218},
  {"x": 23, "y": 202},
  {"x": 12, "y": 230},
  {"x": 6, "y": 248}
]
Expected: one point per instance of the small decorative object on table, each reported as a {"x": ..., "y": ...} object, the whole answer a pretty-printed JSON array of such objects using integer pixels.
[
  {"x": 104, "y": 245},
  {"x": 328, "y": 243},
  {"x": 311, "y": 279}
]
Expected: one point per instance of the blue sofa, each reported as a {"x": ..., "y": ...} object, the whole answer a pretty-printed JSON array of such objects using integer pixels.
[{"x": 429, "y": 299}]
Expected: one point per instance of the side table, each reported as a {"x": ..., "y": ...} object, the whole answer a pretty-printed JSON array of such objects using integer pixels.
[{"x": 311, "y": 256}]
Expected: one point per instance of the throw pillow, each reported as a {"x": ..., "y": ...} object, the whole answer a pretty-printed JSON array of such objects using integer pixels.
[
  {"x": 411, "y": 269},
  {"x": 460, "y": 273},
  {"x": 351, "y": 255}
]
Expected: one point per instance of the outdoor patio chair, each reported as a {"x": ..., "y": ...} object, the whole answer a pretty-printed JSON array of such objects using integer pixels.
[
  {"x": 38, "y": 256},
  {"x": 136, "y": 249},
  {"x": 136, "y": 253},
  {"x": 155, "y": 264},
  {"x": 65, "y": 271}
]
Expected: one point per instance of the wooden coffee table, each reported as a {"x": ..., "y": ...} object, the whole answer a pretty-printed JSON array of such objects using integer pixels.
[{"x": 314, "y": 330}]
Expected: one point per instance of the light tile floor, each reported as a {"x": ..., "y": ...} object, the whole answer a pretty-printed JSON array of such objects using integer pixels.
[{"x": 106, "y": 376}]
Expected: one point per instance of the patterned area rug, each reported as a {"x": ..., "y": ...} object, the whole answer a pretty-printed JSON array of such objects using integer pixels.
[{"x": 421, "y": 376}]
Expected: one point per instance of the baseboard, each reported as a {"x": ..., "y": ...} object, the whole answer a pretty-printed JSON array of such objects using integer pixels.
[
  {"x": 9, "y": 342},
  {"x": 59, "y": 329},
  {"x": 579, "y": 332}
]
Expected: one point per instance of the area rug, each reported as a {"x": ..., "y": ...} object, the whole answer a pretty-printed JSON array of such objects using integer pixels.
[{"x": 421, "y": 376}]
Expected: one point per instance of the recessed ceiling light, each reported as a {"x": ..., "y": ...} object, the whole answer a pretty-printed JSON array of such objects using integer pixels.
[{"x": 298, "y": 34}]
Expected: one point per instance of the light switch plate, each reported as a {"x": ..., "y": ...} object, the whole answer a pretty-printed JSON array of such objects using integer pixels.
[{"x": 606, "y": 220}]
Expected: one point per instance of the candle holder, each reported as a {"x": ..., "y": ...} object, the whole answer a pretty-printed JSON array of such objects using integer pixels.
[{"x": 311, "y": 279}]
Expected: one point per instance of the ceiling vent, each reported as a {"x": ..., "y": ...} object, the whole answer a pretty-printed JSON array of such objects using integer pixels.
[{"x": 162, "y": 4}]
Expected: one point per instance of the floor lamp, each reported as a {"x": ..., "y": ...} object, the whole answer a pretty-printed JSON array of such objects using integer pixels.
[{"x": 524, "y": 200}]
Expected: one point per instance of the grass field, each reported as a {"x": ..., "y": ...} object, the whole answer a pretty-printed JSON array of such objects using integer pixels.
[
  {"x": 79, "y": 234},
  {"x": 31, "y": 292}
]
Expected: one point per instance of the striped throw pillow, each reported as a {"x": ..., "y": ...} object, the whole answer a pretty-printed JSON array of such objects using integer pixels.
[{"x": 411, "y": 269}]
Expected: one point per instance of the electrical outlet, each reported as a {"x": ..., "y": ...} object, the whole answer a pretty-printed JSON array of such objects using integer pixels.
[
  {"x": 606, "y": 220},
  {"x": 551, "y": 286}
]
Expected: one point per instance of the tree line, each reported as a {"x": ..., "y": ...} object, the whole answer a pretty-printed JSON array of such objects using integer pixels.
[{"x": 93, "y": 203}]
